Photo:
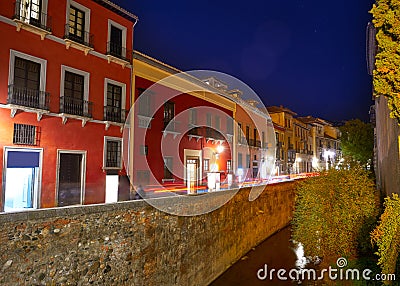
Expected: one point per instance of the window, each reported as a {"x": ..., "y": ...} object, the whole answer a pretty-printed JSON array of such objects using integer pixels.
[
  {"x": 144, "y": 150},
  {"x": 208, "y": 120},
  {"x": 206, "y": 165},
  {"x": 229, "y": 125},
  {"x": 26, "y": 88},
  {"x": 114, "y": 101},
  {"x": 78, "y": 23},
  {"x": 112, "y": 153},
  {"x": 144, "y": 102},
  {"x": 255, "y": 137},
  {"x": 240, "y": 160},
  {"x": 240, "y": 132},
  {"x": 27, "y": 81},
  {"x": 193, "y": 116},
  {"x": 247, "y": 134},
  {"x": 217, "y": 123},
  {"x": 75, "y": 92},
  {"x": 169, "y": 111},
  {"x": 168, "y": 168},
  {"x": 117, "y": 40},
  {"x": 25, "y": 134},
  {"x": 247, "y": 161},
  {"x": 169, "y": 114},
  {"x": 27, "y": 74},
  {"x": 32, "y": 12},
  {"x": 229, "y": 166}
]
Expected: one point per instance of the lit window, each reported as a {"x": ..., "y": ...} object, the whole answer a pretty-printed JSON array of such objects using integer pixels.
[{"x": 206, "y": 165}]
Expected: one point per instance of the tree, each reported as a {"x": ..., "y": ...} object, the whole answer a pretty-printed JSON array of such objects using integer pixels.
[
  {"x": 387, "y": 73},
  {"x": 357, "y": 141},
  {"x": 334, "y": 213}
]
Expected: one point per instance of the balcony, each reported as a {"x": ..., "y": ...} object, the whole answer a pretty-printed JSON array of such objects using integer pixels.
[
  {"x": 36, "y": 22},
  {"x": 75, "y": 106},
  {"x": 118, "y": 54},
  {"x": 78, "y": 39},
  {"x": 171, "y": 127},
  {"x": 242, "y": 140},
  {"x": 213, "y": 135},
  {"x": 27, "y": 97},
  {"x": 114, "y": 114},
  {"x": 194, "y": 132}
]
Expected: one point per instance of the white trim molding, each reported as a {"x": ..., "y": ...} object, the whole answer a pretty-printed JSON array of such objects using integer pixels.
[
  {"x": 85, "y": 74},
  {"x": 117, "y": 83},
  {"x": 106, "y": 139},
  {"x": 80, "y": 7}
]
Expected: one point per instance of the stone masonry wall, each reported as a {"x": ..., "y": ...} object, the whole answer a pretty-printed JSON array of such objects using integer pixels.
[{"x": 132, "y": 243}]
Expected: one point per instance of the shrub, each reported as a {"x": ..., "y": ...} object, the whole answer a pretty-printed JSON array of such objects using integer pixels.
[
  {"x": 387, "y": 235},
  {"x": 331, "y": 213}
]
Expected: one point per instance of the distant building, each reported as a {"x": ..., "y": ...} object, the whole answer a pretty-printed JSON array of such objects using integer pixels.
[
  {"x": 326, "y": 147},
  {"x": 304, "y": 144}
]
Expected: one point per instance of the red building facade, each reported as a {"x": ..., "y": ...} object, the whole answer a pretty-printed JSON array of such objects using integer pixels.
[
  {"x": 183, "y": 131},
  {"x": 65, "y": 90}
]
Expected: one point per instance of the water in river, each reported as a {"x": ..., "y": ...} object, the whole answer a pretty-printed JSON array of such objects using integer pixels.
[{"x": 276, "y": 252}]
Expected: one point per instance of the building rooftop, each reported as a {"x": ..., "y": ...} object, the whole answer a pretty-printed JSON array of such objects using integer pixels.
[
  {"x": 278, "y": 109},
  {"x": 310, "y": 120},
  {"x": 118, "y": 9}
]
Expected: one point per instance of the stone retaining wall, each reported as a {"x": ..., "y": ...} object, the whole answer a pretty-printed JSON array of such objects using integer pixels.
[{"x": 132, "y": 243}]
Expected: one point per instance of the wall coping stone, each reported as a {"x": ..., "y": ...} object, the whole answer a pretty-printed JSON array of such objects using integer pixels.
[{"x": 57, "y": 212}]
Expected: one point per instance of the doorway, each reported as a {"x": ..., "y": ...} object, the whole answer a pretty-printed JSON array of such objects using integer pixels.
[
  {"x": 71, "y": 170},
  {"x": 192, "y": 173},
  {"x": 22, "y": 174}
]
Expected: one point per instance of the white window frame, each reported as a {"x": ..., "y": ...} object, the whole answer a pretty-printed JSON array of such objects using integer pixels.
[
  {"x": 86, "y": 76},
  {"x": 42, "y": 62},
  {"x": 80, "y": 7},
  {"x": 44, "y": 7},
  {"x": 109, "y": 138},
  {"x": 123, "y": 95},
  {"x": 124, "y": 33},
  {"x": 83, "y": 172}
]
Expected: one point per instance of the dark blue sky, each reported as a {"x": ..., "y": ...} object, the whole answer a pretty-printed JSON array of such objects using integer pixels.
[{"x": 306, "y": 55}]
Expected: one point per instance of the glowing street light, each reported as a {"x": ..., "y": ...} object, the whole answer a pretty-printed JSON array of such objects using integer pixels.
[{"x": 220, "y": 149}]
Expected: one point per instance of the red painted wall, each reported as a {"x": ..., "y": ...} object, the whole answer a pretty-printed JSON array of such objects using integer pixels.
[
  {"x": 54, "y": 134},
  {"x": 154, "y": 135}
]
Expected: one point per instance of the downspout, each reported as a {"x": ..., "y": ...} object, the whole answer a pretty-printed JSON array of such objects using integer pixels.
[{"x": 129, "y": 170}]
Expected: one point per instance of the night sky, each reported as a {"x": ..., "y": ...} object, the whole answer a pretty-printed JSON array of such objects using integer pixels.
[{"x": 306, "y": 55}]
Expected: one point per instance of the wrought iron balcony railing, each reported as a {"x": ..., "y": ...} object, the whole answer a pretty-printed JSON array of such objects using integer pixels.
[
  {"x": 28, "y": 97},
  {"x": 25, "y": 13},
  {"x": 114, "y": 114},
  {"x": 75, "y": 106},
  {"x": 79, "y": 36},
  {"x": 116, "y": 50},
  {"x": 213, "y": 134},
  {"x": 171, "y": 126}
]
